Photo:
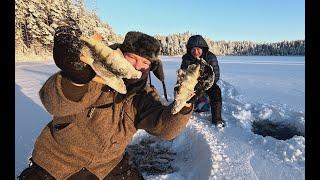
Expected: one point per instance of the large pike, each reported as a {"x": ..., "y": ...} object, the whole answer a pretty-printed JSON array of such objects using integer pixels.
[
  {"x": 109, "y": 64},
  {"x": 186, "y": 82}
]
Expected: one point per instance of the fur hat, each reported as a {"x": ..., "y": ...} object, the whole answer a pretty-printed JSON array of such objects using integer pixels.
[
  {"x": 142, "y": 45},
  {"x": 145, "y": 46}
]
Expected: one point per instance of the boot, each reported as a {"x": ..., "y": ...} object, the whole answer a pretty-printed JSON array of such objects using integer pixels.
[{"x": 216, "y": 114}]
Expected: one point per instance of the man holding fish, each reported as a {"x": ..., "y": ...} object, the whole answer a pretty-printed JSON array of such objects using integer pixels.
[{"x": 98, "y": 100}]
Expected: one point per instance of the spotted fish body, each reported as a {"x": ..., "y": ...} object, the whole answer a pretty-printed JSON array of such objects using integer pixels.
[
  {"x": 109, "y": 65},
  {"x": 103, "y": 76},
  {"x": 186, "y": 82},
  {"x": 110, "y": 59},
  {"x": 111, "y": 79}
]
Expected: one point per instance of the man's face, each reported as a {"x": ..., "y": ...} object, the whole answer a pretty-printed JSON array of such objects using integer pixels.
[
  {"x": 196, "y": 52},
  {"x": 139, "y": 63}
]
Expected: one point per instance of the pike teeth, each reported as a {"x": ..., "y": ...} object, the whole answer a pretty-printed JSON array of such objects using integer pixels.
[{"x": 186, "y": 81}]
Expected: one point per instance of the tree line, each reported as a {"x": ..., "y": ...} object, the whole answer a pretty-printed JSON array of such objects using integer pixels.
[
  {"x": 175, "y": 44},
  {"x": 36, "y": 20}
]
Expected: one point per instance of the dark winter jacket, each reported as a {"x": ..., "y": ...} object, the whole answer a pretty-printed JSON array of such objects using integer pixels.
[
  {"x": 93, "y": 130},
  {"x": 187, "y": 59}
]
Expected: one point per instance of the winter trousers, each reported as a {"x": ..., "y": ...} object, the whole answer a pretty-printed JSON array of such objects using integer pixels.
[
  {"x": 122, "y": 171},
  {"x": 214, "y": 94}
]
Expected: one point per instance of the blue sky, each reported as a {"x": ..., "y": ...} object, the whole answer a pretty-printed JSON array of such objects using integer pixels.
[{"x": 254, "y": 20}]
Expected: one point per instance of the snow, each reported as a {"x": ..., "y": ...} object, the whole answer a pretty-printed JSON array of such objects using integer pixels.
[{"x": 269, "y": 88}]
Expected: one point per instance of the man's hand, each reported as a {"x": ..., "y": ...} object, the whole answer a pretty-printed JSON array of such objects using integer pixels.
[
  {"x": 66, "y": 54},
  {"x": 207, "y": 76}
]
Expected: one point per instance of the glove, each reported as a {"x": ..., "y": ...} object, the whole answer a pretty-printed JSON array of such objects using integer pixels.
[
  {"x": 66, "y": 54},
  {"x": 206, "y": 79},
  {"x": 185, "y": 86}
]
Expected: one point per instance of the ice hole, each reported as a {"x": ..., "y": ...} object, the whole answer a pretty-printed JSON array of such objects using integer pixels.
[{"x": 279, "y": 131}]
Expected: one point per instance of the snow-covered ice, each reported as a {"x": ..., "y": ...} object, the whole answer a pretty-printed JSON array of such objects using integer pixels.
[{"x": 254, "y": 89}]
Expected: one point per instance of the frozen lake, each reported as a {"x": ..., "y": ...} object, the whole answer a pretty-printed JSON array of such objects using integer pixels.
[
  {"x": 254, "y": 88},
  {"x": 264, "y": 79}
]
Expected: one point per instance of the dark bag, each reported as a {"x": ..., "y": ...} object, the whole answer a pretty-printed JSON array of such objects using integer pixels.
[{"x": 35, "y": 172}]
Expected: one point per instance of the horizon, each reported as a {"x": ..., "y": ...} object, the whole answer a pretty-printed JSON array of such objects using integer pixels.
[{"x": 248, "y": 20}]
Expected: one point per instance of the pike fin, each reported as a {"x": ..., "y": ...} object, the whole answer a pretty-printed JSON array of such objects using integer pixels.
[{"x": 96, "y": 36}]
